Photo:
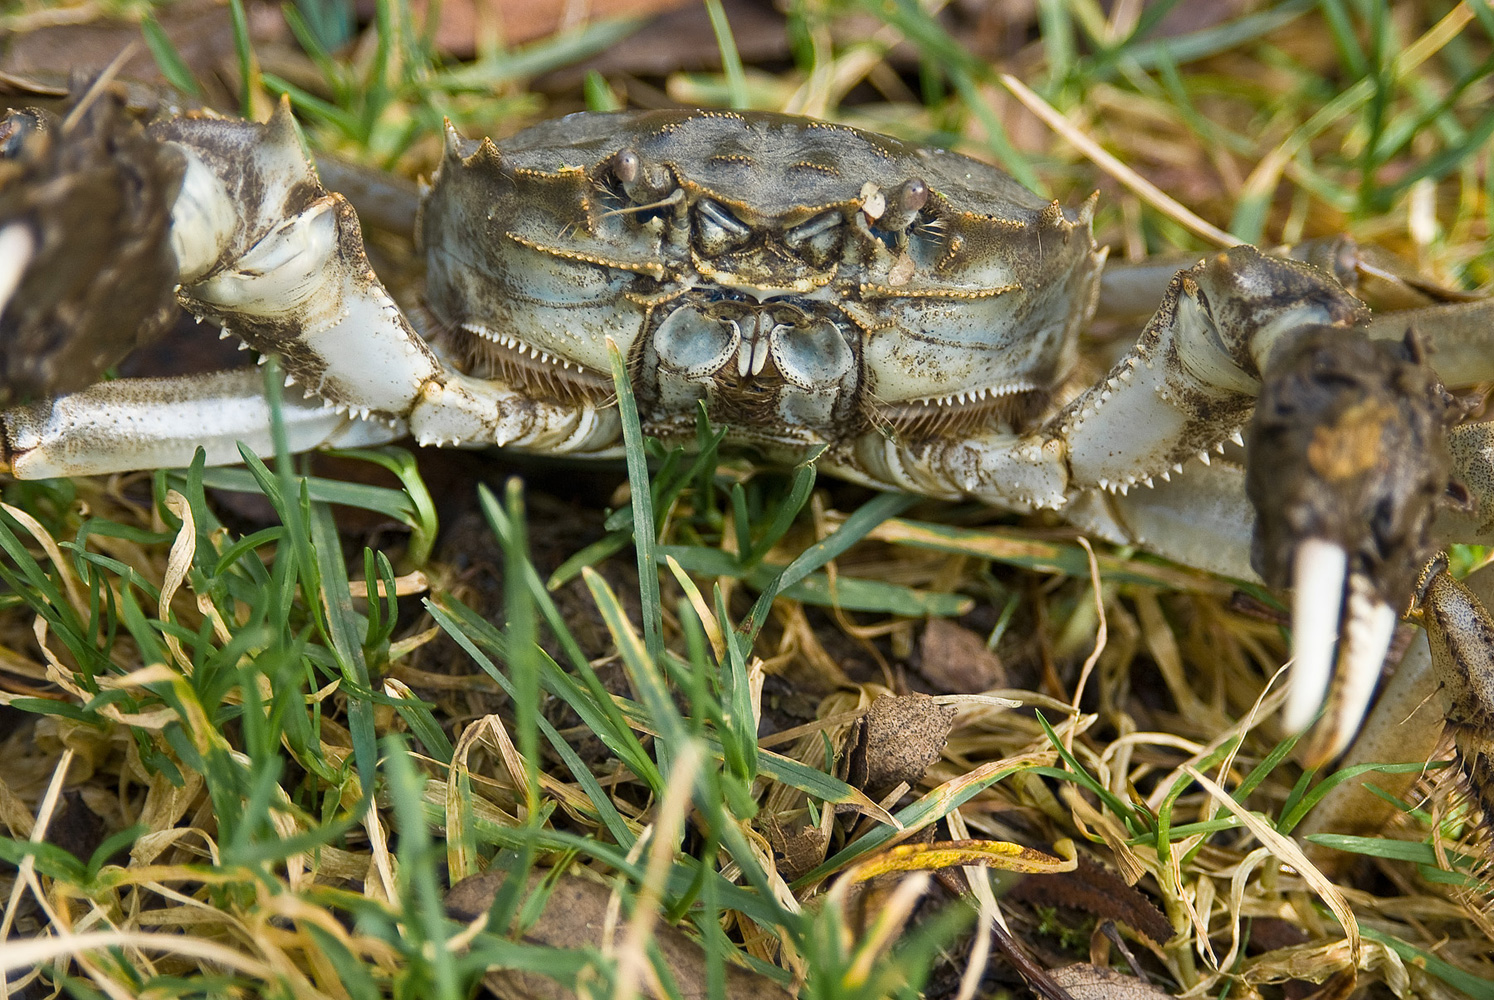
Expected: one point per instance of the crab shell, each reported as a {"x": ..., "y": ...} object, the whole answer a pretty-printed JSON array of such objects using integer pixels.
[
  {"x": 808, "y": 281},
  {"x": 905, "y": 315}
]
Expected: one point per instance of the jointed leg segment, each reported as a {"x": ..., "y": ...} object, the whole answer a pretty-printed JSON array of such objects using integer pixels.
[{"x": 265, "y": 252}]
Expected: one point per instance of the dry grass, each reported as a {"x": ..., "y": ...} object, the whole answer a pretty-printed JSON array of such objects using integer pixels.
[{"x": 229, "y": 774}]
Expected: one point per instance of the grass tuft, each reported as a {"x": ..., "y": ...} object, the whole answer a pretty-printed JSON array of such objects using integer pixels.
[{"x": 252, "y": 743}]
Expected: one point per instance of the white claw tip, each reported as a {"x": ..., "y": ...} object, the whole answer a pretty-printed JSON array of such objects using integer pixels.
[
  {"x": 1369, "y": 627},
  {"x": 17, "y": 247},
  {"x": 1318, "y": 572}
]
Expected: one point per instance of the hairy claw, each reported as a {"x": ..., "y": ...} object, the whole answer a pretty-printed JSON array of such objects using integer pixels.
[
  {"x": 1349, "y": 461},
  {"x": 906, "y": 317},
  {"x": 86, "y": 268}
]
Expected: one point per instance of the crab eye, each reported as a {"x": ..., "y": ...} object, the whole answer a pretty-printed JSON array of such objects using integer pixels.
[
  {"x": 717, "y": 230},
  {"x": 644, "y": 184},
  {"x": 904, "y": 204},
  {"x": 626, "y": 166},
  {"x": 817, "y": 239}
]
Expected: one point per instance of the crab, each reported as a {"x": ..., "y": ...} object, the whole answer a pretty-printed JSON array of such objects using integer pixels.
[{"x": 906, "y": 317}]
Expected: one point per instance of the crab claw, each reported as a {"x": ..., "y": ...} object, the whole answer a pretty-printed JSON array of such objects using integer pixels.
[
  {"x": 1348, "y": 461},
  {"x": 86, "y": 267}
]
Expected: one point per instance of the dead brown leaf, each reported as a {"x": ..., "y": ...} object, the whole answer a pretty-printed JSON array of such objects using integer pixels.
[
  {"x": 897, "y": 740},
  {"x": 799, "y": 851},
  {"x": 955, "y": 659},
  {"x": 1096, "y": 890},
  {"x": 575, "y": 916}
]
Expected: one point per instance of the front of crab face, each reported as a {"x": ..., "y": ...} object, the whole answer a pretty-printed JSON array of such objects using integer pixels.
[{"x": 806, "y": 282}]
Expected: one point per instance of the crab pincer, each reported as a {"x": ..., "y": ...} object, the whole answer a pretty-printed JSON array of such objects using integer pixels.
[
  {"x": 86, "y": 268},
  {"x": 1349, "y": 462},
  {"x": 906, "y": 317}
]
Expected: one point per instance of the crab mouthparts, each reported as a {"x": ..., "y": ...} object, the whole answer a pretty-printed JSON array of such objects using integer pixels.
[{"x": 698, "y": 342}]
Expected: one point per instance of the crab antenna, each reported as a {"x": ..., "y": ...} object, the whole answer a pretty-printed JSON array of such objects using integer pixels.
[{"x": 673, "y": 199}]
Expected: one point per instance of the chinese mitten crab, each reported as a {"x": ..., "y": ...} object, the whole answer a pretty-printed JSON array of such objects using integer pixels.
[{"x": 907, "y": 315}]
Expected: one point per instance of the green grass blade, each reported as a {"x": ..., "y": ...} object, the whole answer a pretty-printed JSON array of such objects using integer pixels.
[
  {"x": 173, "y": 67},
  {"x": 855, "y": 528},
  {"x": 731, "y": 59},
  {"x": 645, "y": 536}
]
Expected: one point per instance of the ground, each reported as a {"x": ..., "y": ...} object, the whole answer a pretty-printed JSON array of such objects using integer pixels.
[{"x": 249, "y": 780}]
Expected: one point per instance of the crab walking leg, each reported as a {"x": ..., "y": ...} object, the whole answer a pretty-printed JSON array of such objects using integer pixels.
[
  {"x": 1459, "y": 337},
  {"x": 1472, "y": 450},
  {"x": 460, "y": 410},
  {"x": 1229, "y": 327},
  {"x": 152, "y": 423},
  {"x": 1200, "y": 518},
  {"x": 1461, "y": 633},
  {"x": 160, "y": 423}
]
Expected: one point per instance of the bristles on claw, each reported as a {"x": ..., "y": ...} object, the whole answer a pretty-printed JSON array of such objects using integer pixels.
[{"x": 1369, "y": 625}]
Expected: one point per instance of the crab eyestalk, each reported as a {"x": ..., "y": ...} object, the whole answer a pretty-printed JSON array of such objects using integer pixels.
[
  {"x": 894, "y": 211},
  {"x": 1349, "y": 460},
  {"x": 903, "y": 207},
  {"x": 643, "y": 182}
]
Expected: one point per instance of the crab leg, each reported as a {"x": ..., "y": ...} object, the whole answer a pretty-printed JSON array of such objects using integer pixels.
[
  {"x": 1457, "y": 336},
  {"x": 1453, "y": 664},
  {"x": 1203, "y": 518},
  {"x": 1186, "y": 389},
  {"x": 152, "y": 423},
  {"x": 1333, "y": 454},
  {"x": 265, "y": 252},
  {"x": 1132, "y": 289},
  {"x": 1191, "y": 382},
  {"x": 1461, "y": 633},
  {"x": 1200, "y": 518}
]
